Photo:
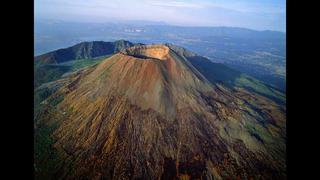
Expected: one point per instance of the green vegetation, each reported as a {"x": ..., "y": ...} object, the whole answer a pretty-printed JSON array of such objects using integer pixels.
[
  {"x": 47, "y": 119},
  {"x": 51, "y": 72},
  {"x": 39, "y": 96},
  {"x": 259, "y": 132},
  {"x": 83, "y": 50},
  {"x": 43, "y": 142},
  {"x": 47, "y": 158},
  {"x": 214, "y": 72},
  {"x": 81, "y": 63},
  {"x": 217, "y": 73},
  {"x": 56, "y": 101},
  {"x": 47, "y": 73},
  {"x": 254, "y": 85}
]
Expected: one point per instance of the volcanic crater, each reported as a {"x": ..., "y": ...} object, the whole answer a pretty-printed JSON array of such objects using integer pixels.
[
  {"x": 158, "y": 52},
  {"x": 148, "y": 113}
]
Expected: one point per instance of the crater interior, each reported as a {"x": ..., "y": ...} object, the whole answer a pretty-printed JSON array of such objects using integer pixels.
[{"x": 148, "y": 52}]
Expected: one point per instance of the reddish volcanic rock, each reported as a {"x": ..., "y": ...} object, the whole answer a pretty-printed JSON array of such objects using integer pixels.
[{"x": 147, "y": 113}]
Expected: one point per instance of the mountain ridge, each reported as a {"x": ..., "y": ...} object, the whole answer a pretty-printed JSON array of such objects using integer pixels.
[{"x": 83, "y": 50}]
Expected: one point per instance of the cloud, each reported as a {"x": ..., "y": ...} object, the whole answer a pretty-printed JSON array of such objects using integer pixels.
[{"x": 176, "y": 4}]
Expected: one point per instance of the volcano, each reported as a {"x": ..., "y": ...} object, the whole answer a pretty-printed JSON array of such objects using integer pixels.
[{"x": 147, "y": 113}]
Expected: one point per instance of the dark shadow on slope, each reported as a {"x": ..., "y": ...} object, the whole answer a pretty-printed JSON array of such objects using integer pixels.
[
  {"x": 214, "y": 72},
  {"x": 219, "y": 73},
  {"x": 47, "y": 73}
]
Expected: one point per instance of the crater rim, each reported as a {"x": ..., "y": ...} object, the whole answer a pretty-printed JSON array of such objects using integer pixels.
[{"x": 157, "y": 52}]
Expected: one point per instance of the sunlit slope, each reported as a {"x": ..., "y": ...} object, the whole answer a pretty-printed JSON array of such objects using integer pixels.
[{"x": 148, "y": 113}]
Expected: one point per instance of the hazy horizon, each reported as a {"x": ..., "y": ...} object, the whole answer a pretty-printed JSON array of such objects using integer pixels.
[
  {"x": 143, "y": 23},
  {"x": 256, "y": 14}
]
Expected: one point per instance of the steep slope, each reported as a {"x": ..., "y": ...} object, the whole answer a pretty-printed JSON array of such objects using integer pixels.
[
  {"x": 219, "y": 73},
  {"x": 148, "y": 113}
]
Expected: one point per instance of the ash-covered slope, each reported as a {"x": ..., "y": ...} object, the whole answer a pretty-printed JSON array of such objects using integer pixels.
[{"x": 147, "y": 113}]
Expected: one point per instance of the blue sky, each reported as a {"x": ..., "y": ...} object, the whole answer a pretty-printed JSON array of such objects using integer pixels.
[{"x": 253, "y": 14}]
